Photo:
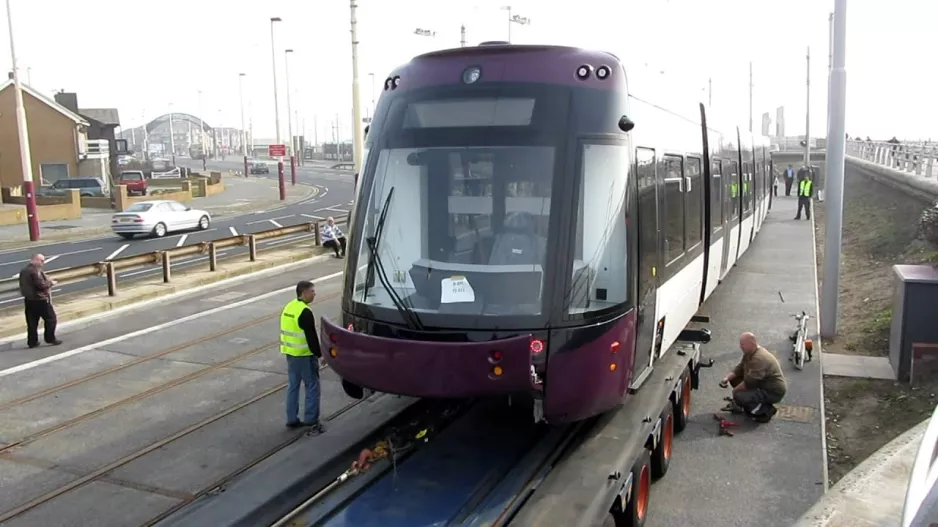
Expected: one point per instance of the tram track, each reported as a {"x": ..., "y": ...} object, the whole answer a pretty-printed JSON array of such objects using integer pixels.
[
  {"x": 140, "y": 360},
  {"x": 103, "y": 471}
]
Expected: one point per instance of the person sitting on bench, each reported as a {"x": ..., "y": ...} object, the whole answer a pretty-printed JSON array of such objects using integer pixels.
[
  {"x": 333, "y": 238},
  {"x": 758, "y": 382}
]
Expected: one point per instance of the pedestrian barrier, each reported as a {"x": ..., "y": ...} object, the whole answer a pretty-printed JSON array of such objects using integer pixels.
[{"x": 110, "y": 268}]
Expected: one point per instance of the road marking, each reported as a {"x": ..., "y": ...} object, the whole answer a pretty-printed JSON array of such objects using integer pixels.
[
  {"x": 15, "y": 298},
  {"x": 180, "y": 263},
  {"x": 182, "y": 240},
  {"x": 233, "y": 231},
  {"x": 158, "y": 327},
  {"x": 53, "y": 258},
  {"x": 275, "y": 224},
  {"x": 148, "y": 240},
  {"x": 312, "y": 216},
  {"x": 271, "y": 220},
  {"x": 271, "y": 243},
  {"x": 115, "y": 253},
  {"x": 50, "y": 258}
]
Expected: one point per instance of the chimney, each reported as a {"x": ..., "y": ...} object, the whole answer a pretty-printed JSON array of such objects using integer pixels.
[{"x": 68, "y": 100}]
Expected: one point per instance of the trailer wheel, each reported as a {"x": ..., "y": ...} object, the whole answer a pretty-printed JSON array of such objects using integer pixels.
[
  {"x": 637, "y": 508},
  {"x": 661, "y": 455},
  {"x": 681, "y": 407}
]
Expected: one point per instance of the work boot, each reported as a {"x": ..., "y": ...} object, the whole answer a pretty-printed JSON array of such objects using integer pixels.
[
  {"x": 765, "y": 415},
  {"x": 733, "y": 408}
]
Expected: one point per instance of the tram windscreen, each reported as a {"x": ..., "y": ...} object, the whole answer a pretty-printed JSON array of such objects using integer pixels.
[
  {"x": 466, "y": 229},
  {"x": 500, "y": 111}
]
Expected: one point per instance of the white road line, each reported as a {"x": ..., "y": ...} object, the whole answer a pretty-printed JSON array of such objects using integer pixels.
[
  {"x": 50, "y": 258},
  {"x": 182, "y": 240},
  {"x": 53, "y": 258},
  {"x": 312, "y": 216},
  {"x": 337, "y": 209},
  {"x": 15, "y": 298},
  {"x": 115, "y": 253},
  {"x": 271, "y": 243},
  {"x": 151, "y": 329},
  {"x": 277, "y": 225},
  {"x": 233, "y": 231},
  {"x": 180, "y": 263},
  {"x": 148, "y": 240}
]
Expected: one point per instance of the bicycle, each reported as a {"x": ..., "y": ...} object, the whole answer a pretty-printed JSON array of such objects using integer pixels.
[{"x": 802, "y": 345}]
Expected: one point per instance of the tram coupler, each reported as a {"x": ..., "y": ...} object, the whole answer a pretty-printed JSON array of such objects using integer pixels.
[
  {"x": 701, "y": 335},
  {"x": 695, "y": 372}
]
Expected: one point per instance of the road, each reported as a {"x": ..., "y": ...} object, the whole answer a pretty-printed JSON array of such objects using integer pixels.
[{"x": 334, "y": 199}]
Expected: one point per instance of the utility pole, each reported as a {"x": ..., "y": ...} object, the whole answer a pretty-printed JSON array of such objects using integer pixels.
[
  {"x": 830, "y": 62},
  {"x": 750, "y": 96},
  {"x": 286, "y": 71},
  {"x": 172, "y": 134},
  {"x": 273, "y": 62},
  {"x": 26, "y": 162},
  {"x": 244, "y": 143},
  {"x": 357, "y": 139},
  {"x": 836, "y": 141},
  {"x": 807, "y": 114},
  {"x": 710, "y": 92},
  {"x": 462, "y": 36}
]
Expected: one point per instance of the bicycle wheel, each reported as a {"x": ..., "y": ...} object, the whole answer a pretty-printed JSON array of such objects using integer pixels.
[{"x": 799, "y": 345}]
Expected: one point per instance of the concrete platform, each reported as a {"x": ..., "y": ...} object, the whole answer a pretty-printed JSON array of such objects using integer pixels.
[
  {"x": 861, "y": 366},
  {"x": 131, "y": 425},
  {"x": 767, "y": 475}
]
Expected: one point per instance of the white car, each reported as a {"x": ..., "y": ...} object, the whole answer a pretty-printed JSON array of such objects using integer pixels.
[{"x": 158, "y": 217}]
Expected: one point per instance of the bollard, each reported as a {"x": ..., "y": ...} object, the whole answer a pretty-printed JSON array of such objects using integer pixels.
[
  {"x": 317, "y": 236},
  {"x": 282, "y": 183},
  {"x": 167, "y": 267},
  {"x": 252, "y": 248},
  {"x": 212, "y": 257},
  {"x": 245, "y": 166},
  {"x": 111, "y": 279},
  {"x": 293, "y": 171}
]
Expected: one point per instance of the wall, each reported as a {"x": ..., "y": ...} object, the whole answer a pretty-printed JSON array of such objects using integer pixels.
[
  {"x": 48, "y": 209},
  {"x": 52, "y": 138},
  {"x": 123, "y": 201}
]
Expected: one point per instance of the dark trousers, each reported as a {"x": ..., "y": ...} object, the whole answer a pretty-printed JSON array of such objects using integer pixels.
[
  {"x": 336, "y": 246},
  {"x": 37, "y": 310},
  {"x": 788, "y": 183},
  {"x": 775, "y": 188},
  {"x": 750, "y": 398},
  {"x": 804, "y": 202}
]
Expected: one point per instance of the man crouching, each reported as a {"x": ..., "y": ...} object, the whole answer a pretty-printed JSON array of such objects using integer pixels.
[{"x": 758, "y": 382}]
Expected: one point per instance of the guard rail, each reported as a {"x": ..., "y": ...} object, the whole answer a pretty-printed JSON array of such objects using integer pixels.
[
  {"x": 165, "y": 258},
  {"x": 919, "y": 159}
]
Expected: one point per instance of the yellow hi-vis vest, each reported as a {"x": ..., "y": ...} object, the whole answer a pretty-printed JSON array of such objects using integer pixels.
[
  {"x": 804, "y": 188},
  {"x": 292, "y": 338}
]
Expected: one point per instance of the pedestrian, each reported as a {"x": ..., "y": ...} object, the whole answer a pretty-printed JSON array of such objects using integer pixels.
[
  {"x": 758, "y": 382},
  {"x": 299, "y": 342},
  {"x": 805, "y": 189},
  {"x": 36, "y": 289},
  {"x": 333, "y": 238},
  {"x": 789, "y": 179}
]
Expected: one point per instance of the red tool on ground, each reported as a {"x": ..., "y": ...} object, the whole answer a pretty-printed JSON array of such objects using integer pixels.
[{"x": 725, "y": 425}]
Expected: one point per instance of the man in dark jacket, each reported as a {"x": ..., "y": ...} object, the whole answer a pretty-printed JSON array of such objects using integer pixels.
[{"x": 36, "y": 289}]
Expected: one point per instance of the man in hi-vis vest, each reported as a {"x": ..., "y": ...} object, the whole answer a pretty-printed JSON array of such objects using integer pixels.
[
  {"x": 299, "y": 342},
  {"x": 805, "y": 188}
]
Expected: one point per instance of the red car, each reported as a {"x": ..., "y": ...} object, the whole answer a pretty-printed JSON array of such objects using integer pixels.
[{"x": 134, "y": 181}]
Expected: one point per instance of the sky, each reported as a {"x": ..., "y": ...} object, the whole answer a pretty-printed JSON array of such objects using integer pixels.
[{"x": 156, "y": 57}]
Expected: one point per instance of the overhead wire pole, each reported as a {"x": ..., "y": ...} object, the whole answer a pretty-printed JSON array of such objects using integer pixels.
[
  {"x": 357, "y": 139},
  {"x": 807, "y": 114},
  {"x": 836, "y": 142},
  {"x": 750, "y": 96},
  {"x": 273, "y": 63},
  {"x": 244, "y": 143},
  {"x": 26, "y": 162},
  {"x": 291, "y": 151},
  {"x": 462, "y": 36}
]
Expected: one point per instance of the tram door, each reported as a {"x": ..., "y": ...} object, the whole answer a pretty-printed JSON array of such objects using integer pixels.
[{"x": 648, "y": 257}]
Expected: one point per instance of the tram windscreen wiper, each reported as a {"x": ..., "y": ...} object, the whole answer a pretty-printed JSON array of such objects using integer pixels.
[{"x": 409, "y": 316}]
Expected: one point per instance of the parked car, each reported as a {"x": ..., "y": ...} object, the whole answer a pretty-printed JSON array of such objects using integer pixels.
[
  {"x": 260, "y": 168},
  {"x": 88, "y": 187},
  {"x": 157, "y": 218},
  {"x": 135, "y": 182}
]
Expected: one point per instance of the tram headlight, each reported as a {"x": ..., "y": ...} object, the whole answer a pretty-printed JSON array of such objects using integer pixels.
[
  {"x": 583, "y": 72},
  {"x": 471, "y": 75},
  {"x": 395, "y": 82},
  {"x": 602, "y": 72}
]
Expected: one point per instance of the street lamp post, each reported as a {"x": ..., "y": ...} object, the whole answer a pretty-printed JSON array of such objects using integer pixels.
[
  {"x": 357, "y": 139},
  {"x": 244, "y": 145},
  {"x": 26, "y": 161},
  {"x": 292, "y": 149},
  {"x": 371, "y": 113},
  {"x": 515, "y": 19},
  {"x": 273, "y": 62},
  {"x": 201, "y": 127},
  {"x": 172, "y": 135}
]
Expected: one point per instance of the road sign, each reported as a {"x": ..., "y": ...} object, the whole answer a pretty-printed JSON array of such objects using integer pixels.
[{"x": 277, "y": 150}]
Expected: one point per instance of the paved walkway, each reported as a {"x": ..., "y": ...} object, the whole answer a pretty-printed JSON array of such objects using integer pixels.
[
  {"x": 241, "y": 196},
  {"x": 155, "y": 407},
  {"x": 767, "y": 475}
]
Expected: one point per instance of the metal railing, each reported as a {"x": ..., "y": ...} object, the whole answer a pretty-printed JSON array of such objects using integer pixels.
[
  {"x": 110, "y": 268},
  {"x": 922, "y": 480},
  {"x": 912, "y": 158}
]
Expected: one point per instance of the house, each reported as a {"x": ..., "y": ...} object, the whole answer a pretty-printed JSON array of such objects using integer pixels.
[
  {"x": 57, "y": 137},
  {"x": 102, "y": 124}
]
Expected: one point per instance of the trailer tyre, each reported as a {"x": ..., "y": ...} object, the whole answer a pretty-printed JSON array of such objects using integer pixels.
[
  {"x": 637, "y": 509},
  {"x": 661, "y": 455},
  {"x": 681, "y": 406}
]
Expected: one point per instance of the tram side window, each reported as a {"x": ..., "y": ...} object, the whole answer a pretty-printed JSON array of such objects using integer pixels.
[
  {"x": 732, "y": 189},
  {"x": 600, "y": 272},
  {"x": 716, "y": 196},
  {"x": 694, "y": 202},
  {"x": 647, "y": 221},
  {"x": 747, "y": 186},
  {"x": 673, "y": 207}
]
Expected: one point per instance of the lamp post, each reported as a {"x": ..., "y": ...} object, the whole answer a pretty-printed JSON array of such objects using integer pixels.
[
  {"x": 357, "y": 139},
  {"x": 26, "y": 162},
  {"x": 286, "y": 69},
  {"x": 515, "y": 19},
  {"x": 201, "y": 126},
  {"x": 273, "y": 62},
  {"x": 244, "y": 145},
  {"x": 172, "y": 135}
]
